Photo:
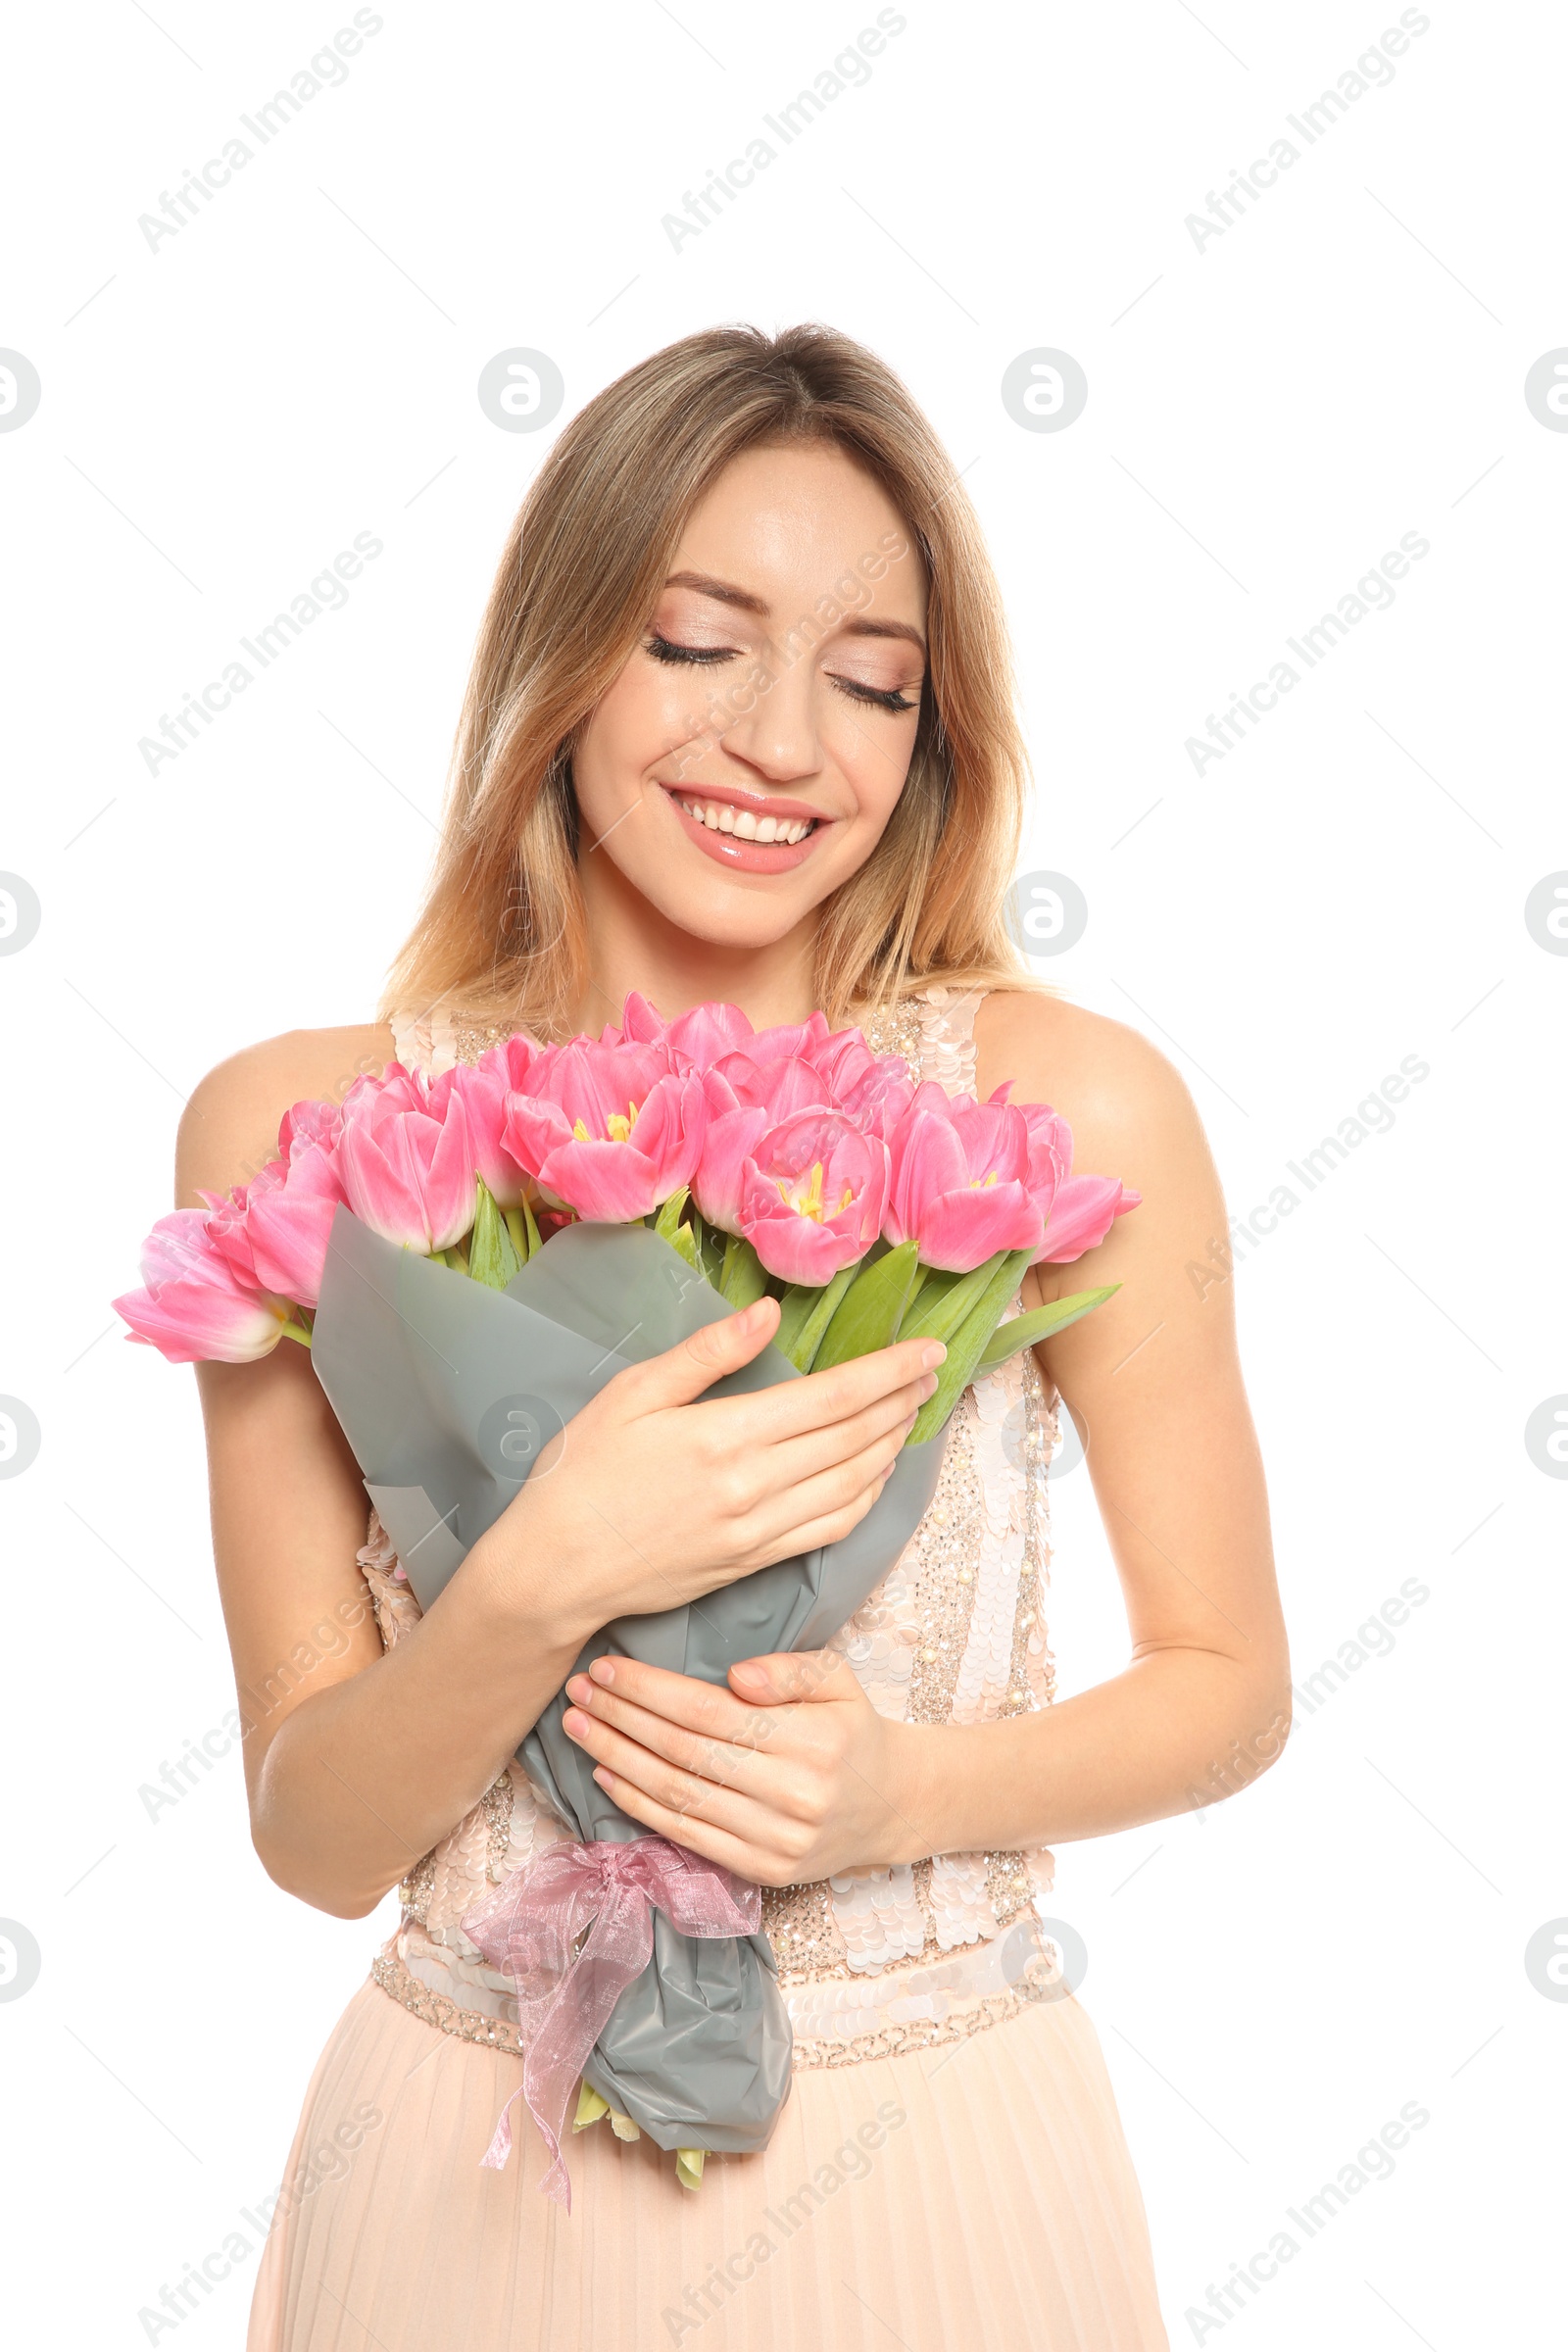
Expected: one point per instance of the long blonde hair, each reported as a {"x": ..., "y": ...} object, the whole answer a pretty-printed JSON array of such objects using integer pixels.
[{"x": 501, "y": 935}]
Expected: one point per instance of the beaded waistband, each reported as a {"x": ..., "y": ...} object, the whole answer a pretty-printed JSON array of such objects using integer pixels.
[{"x": 836, "y": 2023}]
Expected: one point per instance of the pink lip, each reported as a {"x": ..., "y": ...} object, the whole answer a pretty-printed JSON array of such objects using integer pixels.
[{"x": 750, "y": 856}]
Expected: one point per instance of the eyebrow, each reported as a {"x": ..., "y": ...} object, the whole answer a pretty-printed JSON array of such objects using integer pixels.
[{"x": 724, "y": 592}]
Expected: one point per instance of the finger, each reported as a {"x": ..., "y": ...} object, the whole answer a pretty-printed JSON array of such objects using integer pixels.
[
  {"x": 852, "y": 1484},
  {"x": 831, "y": 1528},
  {"x": 713, "y": 1740},
  {"x": 790, "y": 1677},
  {"x": 683, "y": 1773},
  {"x": 684, "y": 1371},
  {"x": 746, "y": 1861},
  {"x": 689, "y": 1796},
  {"x": 795, "y": 1460},
  {"x": 794, "y": 1406}
]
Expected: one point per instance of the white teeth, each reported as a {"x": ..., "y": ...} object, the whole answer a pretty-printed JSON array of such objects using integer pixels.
[{"x": 720, "y": 817}]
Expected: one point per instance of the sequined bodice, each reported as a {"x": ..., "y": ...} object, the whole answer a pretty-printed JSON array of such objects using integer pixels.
[{"x": 877, "y": 1957}]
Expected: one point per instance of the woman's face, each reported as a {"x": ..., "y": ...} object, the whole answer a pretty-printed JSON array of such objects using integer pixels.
[{"x": 747, "y": 758}]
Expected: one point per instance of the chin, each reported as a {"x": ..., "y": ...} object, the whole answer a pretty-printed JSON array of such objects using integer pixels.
[{"x": 726, "y": 919}]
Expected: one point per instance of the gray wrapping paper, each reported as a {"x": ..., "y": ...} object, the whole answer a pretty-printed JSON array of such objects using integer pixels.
[{"x": 448, "y": 1392}]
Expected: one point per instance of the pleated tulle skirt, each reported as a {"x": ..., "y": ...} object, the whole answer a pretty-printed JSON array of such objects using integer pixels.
[{"x": 978, "y": 2193}]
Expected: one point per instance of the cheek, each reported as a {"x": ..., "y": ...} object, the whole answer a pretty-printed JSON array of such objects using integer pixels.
[
  {"x": 874, "y": 760},
  {"x": 646, "y": 716}
]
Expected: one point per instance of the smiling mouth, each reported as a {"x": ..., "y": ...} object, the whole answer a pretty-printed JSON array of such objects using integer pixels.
[{"x": 744, "y": 824}]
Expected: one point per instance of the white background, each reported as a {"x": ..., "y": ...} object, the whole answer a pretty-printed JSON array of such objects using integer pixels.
[{"x": 1266, "y": 415}]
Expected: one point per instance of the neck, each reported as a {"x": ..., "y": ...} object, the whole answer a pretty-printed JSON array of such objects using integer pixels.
[{"x": 632, "y": 945}]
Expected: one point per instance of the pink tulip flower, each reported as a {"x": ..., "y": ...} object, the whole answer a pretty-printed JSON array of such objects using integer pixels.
[
  {"x": 484, "y": 1087},
  {"x": 813, "y": 1196},
  {"x": 406, "y": 1169},
  {"x": 746, "y": 1099},
  {"x": 962, "y": 1186},
  {"x": 1081, "y": 1210},
  {"x": 609, "y": 1131},
  {"x": 694, "y": 1039},
  {"x": 1082, "y": 1214},
  {"x": 288, "y": 1221},
  {"x": 194, "y": 1308},
  {"x": 318, "y": 1123}
]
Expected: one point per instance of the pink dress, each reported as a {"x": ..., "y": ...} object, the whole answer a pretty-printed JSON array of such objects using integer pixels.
[{"x": 950, "y": 2166}]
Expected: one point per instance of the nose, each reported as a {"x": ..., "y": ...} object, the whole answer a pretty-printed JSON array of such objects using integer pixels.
[{"x": 775, "y": 734}]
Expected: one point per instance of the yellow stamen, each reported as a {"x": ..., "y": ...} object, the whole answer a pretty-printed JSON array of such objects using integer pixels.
[
  {"x": 809, "y": 1205},
  {"x": 618, "y": 1129}
]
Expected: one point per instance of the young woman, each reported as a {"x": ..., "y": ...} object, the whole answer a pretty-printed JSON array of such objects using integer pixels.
[{"x": 740, "y": 727}]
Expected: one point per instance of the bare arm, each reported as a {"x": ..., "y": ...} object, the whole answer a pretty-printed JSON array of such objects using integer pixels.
[
  {"x": 797, "y": 1776},
  {"x": 1155, "y": 1384},
  {"x": 357, "y": 1762}
]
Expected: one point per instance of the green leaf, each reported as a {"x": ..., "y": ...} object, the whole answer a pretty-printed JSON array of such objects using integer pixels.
[
  {"x": 872, "y": 1307},
  {"x": 806, "y": 1314},
  {"x": 945, "y": 1299},
  {"x": 492, "y": 1257},
  {"x": 590, "y": 2106},
  {"x": 1027, "y": 1331},
  {"x": 684, "y": 1241},
  {"x": 689, "y": 2166},
  {"x": 743, "y": 1279},
  {"x": 795, "y": 1311},
  {"x": 965, "y": 1345},
  {"x": 668, "y": 1222}
]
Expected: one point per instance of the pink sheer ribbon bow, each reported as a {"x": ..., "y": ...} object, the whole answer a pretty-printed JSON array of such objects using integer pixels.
[{"x": 530, "y": 1927}]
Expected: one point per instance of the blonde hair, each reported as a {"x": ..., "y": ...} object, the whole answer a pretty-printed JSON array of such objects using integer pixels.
[{"x": 501, "y": 935}]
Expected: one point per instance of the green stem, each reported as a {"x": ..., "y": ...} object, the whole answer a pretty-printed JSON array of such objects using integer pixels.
[
  {"x": 743, "y": 1279},
  {"x": 296, "y": 1331},
  {"x": 967, "y": 1344},
  {"x": 806, "y": 1314},
  {"x": 944, "y": 1301}
]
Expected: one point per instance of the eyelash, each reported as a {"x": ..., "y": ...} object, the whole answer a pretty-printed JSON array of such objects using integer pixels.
[{"x": 663, "y": 649}]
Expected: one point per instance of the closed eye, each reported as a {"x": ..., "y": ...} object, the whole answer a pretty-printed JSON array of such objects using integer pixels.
[
  {"x": 890, "y": 698},
  {"x": 663, "y": 649}
]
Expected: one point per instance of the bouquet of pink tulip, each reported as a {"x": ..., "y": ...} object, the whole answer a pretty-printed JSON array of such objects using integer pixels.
[
  {"x": 602, "y": 1200},
  {"x": 793, "y": 1160}
]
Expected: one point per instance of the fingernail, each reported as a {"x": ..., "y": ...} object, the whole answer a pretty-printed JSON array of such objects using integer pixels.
[
  {"x": 603, "y": 1670},
  {"x": 927, "y": 1386},
  {"x": 751, "y": 1677},
  {"x": 936, "y": 1353},
  {"x": 601, "y": 1776},
  {"x": 581, "y": 1690},
  {"x": 909, "y": 1424},
  {"x": 573, "y": 1724}
]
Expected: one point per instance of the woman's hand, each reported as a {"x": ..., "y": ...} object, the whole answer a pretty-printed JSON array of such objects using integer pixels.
[
  {"x": 789, "y": 1775},
  {"x": 648, "y": 1498}
]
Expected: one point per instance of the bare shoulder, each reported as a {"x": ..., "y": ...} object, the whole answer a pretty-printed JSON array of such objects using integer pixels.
[
  {"x": 1125, "y": 1102},
  {"x": 229, "y": 1127}
]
